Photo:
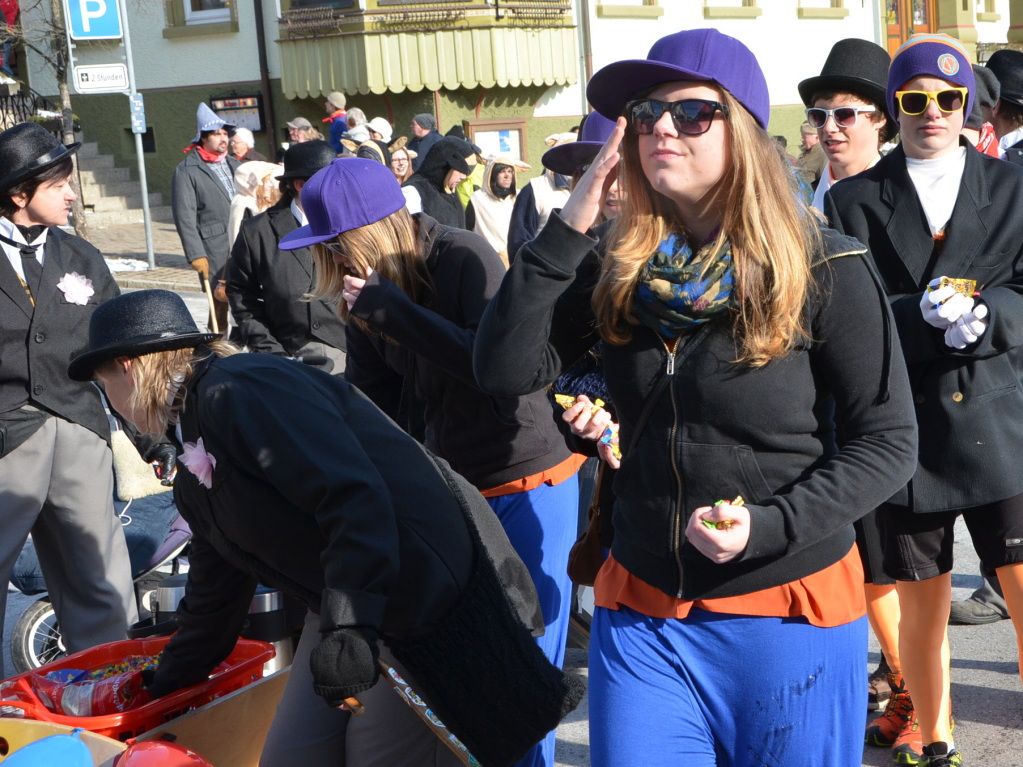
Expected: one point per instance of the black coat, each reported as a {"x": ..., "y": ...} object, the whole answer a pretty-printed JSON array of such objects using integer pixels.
[
  {"x": 716, "y": 428},
  {"x": 265, "y": 286},
  {"x": 968, "y": 402},
  {"x": 36, "y": 343},
  {"x": 489, "y": 440},
  {"x": 318, "y": 493}
]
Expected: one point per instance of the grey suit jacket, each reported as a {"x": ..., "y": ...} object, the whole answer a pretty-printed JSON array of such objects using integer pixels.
[{"x": 201, "y": 208}]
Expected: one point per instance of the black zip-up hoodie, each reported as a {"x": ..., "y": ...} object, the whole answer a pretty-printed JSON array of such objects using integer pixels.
[
  {"x": 427, "y": 374},
  {"x": 716, "y": 428}
]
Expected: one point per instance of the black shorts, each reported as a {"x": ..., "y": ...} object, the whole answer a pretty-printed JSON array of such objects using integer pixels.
[
  {"x": 919, "y": 546},
  {"x": 868, "y": 543}
]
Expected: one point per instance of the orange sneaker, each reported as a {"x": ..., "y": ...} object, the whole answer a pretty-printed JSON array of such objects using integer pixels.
[
  {"x": 884, "y": 730},
  {"x": 909, "y": 745}
]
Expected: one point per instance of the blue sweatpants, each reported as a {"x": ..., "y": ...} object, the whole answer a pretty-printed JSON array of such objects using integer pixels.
[
  {"x": 717, "y": 690},
  {"x": 542, "y": 525}
]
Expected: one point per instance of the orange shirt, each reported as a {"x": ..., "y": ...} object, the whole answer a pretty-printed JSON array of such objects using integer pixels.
[
  {"x": 831, "y": 597},
  {"x": 552, "y": 476}
]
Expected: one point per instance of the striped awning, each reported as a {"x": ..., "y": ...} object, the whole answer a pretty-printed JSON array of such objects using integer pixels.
[{"x": 455, "y": 58}]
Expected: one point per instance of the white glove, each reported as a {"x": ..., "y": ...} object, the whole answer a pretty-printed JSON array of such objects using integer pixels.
[
  {"x": 967, "y": 329},
  {"x": 943, "y": 307}
]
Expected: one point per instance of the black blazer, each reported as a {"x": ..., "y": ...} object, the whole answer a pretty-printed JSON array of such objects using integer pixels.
[
  {"x": 968, "y": 402},
  {"x": 318, "y": 493},
  {"x": 265, "y": 286},
  {"x": 37, "y": 342}
]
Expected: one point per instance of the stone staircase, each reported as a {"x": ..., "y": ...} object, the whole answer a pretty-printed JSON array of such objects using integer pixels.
[{"x": 110, "y": 196}]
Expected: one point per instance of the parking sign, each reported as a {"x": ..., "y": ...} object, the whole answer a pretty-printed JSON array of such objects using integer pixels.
[{"x": 93, "y": 19}]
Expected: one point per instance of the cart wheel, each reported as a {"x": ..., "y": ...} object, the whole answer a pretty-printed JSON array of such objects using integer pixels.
[{"x": 36, "y": 638}]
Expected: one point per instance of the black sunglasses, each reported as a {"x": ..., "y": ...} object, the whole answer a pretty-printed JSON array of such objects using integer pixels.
[{"x": 691, "y": 117}]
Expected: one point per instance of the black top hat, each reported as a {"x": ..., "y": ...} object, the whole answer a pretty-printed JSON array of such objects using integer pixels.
[
  {"x": 134, "y": 324},
  {"x": 26, "y": 150},
  {"x": 303, "y": 160},
  {"x": 854, "y": 65},
  {"x": 1007, "y": 65}
]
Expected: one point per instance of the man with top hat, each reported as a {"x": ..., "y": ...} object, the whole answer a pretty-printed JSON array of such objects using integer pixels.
[
  {"x": 266, "y": 286},
  {"x": 938, "y": 217},
  {"x": 56, "y": 473},
  {"x": 202, "y": 189},
  {"x": 1007, "y": 113}
]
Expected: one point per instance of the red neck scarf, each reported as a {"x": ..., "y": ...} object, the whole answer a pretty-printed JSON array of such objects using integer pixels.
[{"x": 210, "y": 156}]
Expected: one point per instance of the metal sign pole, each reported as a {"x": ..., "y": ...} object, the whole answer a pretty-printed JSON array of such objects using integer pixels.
[{"x": 138, "y": 127}]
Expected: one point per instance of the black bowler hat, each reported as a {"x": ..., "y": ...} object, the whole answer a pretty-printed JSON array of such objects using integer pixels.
[
  {"x": 854, "y": 65},
  {"x": 1007, "y": 65},
  {"x": 303, "y": 160},
  {"x": 26, "y": 150},
  {"x": 134, "y": 324}
]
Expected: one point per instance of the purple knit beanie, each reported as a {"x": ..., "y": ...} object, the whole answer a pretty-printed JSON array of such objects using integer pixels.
[{"x": 934, "y": 55}]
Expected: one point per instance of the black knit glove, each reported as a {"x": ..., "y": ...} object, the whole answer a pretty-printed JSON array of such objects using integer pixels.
[{"x": 344, "y": 663}]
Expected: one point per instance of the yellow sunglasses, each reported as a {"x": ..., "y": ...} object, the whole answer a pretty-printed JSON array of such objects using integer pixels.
[{"x": 915, "y": 102}]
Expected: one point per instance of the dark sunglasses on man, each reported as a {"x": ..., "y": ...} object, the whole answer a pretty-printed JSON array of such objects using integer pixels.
[{"x": 691, "y": 117}]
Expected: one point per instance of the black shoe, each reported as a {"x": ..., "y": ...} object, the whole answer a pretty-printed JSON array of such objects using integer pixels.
[
  {"x": 878, "y": 689},
  {"x": 938, "y": 755},
  {"x": 973, "y": 612}
]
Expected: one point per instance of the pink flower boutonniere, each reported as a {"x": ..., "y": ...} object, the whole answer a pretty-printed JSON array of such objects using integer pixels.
[
  {"x": 76, "y": 288},
  {"x": 199, "y": 462}
]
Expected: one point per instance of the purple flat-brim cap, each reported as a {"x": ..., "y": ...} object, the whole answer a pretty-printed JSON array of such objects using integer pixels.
[
  {"x": 693, "y": 54},
  {"x": 349, "y": 193},
  {"x": 568, "y": 158}
]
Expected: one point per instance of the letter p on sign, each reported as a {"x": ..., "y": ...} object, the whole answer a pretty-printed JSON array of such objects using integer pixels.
[{"x": 93, "y": 19}]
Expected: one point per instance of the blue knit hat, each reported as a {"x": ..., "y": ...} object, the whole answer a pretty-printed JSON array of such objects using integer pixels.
[
  {"x": 208, "y": 120},
  {"x": 934, "y": 55}
]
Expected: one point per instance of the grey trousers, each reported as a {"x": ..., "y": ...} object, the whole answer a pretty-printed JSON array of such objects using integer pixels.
[
  {"x": 308, "y": 732},
  {"x": 58, "y": 485}
]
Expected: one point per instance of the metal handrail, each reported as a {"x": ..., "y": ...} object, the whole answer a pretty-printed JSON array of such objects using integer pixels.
[{"x": 28, "y": 106}]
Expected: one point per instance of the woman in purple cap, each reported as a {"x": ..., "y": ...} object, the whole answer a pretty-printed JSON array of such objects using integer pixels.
[
  {"x": 412, "y": 293},
  {"x": 758, "y": 420},
  {"x": 942, "y": 225}
]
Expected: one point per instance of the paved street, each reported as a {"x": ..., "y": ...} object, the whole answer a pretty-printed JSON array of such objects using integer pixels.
[{"x": 986, "y": 690}]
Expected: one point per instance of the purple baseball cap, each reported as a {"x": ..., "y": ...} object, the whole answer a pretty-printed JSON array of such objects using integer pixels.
[
  {"x": 693, "y": 54},
  {"x": 566, "y": 159},
  {"x": 349, "y": 193}
]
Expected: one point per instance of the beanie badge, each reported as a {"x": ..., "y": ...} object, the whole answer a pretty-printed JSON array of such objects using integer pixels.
[{"x": 948, "y": 64}]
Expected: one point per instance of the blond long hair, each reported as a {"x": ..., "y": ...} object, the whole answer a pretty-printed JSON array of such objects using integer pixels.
[
  {"x": 160, "y": 380},
  {"x": 771, "y": 235},
  {"x": 389, "y": 246}
]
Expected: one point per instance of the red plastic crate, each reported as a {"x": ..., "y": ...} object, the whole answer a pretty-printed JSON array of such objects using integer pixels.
[{"x": 244, "y": 665}]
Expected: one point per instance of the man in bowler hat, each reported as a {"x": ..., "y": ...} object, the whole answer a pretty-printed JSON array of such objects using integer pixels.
[
  {"x": 265, "y": 286},
  {"x": 202, "y": 189},
  {"x": 56, "y": 474},
  {"x": 1007, "y": 114}
]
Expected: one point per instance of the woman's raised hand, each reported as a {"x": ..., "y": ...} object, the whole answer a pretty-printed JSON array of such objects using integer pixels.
[
  {"x": 587, "y": 199},
  {"x": 353, "y": 288}
]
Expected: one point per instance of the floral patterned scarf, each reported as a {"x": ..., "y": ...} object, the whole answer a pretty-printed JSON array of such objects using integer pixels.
[{"x": 679, "y": 289}]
